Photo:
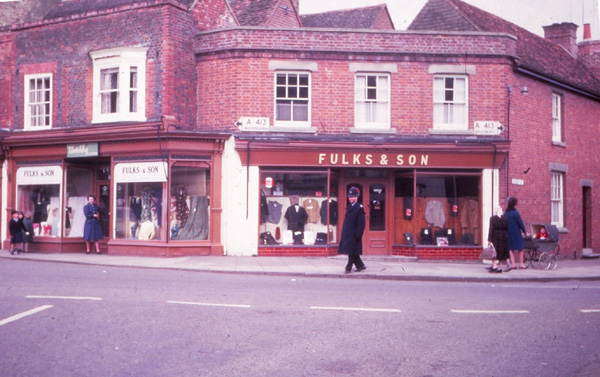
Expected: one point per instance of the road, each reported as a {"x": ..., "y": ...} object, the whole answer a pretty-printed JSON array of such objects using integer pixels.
[{"x": 61, "y": 319}]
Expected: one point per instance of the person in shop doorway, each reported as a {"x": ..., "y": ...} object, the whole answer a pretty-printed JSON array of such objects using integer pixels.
[
  {"x": 352, "y": 232},
  {"x": 28, "y": 231},
  {"x": 92, "y": 231}
]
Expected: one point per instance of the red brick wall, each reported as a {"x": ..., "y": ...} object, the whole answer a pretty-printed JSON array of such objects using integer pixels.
[
  {"x": 7, "y": 75},
  {"x": 212, "y": 14},
  {"x": 438, "y": 253}
]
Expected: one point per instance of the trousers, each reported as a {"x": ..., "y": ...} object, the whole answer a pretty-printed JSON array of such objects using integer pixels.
[{"x": 354, "y": 260}]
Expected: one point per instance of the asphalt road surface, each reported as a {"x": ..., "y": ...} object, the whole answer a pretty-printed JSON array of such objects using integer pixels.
[{"x": 74, "y": 320}]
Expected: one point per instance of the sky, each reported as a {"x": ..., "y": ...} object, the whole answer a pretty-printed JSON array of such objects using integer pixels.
[{"x": 529, "y": 14}]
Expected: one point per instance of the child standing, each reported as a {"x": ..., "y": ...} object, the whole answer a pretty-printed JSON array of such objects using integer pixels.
[
  {"x": 15, "y": 226},
  {"x": 27, "y": 231}
]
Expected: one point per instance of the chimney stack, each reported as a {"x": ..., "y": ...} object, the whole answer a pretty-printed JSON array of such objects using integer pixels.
[
  {"x": 587, "y": 31},
  {"x": 565, "y": 34}
]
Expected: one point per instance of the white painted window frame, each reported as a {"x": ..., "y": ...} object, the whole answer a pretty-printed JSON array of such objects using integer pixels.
[
  {"x": 383, "y": 96},
  {"x": 557, "y": 120},
  {"x": 439, "y": 124},
  {"x": 292, "y": 123},
  {"x": 28, "y": 106},
  {"x": 557, "y": 198},
  {"x": 123, "y": 59}
]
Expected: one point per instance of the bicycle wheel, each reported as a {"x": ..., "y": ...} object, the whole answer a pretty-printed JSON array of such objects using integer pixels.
[
  {"x": 545, "y": 261},
  {"x": 553, "y": 262}
]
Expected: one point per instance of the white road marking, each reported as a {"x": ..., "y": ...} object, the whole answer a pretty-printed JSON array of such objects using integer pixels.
[
  {"x": 355, "y": 309},
  {"x": 65, "y": 297},
  {"x": 490, "y": 311},
  {"x": 24, "y": 314},
  {"x": 546, "y": 286},
  {"x": 208, "y": 304},
  {"x": 590, "y": 310}
]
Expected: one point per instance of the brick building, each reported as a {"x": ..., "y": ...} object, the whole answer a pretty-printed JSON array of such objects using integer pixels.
[{"x": 205, "y": 126}]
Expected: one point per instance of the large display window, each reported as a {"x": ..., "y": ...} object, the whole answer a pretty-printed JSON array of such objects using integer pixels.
[
  {"x": 38, "y": 194},
  {"x": 190, "y": 202},
  {"x": 436, "y": 208},
  {"x": 79, "y": 186},
  {"x": 298, "y": 207},
  {"x": 139, "y": 200}
]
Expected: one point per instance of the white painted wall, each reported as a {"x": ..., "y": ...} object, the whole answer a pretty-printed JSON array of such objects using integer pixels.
[
  {"x": 489, "y": 193},
  {"x": 239, "y": 228}
]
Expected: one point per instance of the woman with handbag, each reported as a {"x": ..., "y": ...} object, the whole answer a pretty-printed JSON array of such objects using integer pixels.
[{"x": 498, "y": 239}]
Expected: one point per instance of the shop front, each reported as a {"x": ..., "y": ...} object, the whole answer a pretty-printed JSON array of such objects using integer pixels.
[
  {"x": 159, "y": 192},
  {"x": 427, "y": 201}
]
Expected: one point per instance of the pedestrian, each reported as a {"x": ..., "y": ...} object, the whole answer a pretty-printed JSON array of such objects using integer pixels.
[
  {"x": 352, "y": 232},
  {"x": 498, "y": 238},
  {"x": 28, "y": 231},
  {"x": 92, "y": 231},
  {"x": 15, "y": 227},
  {"x": 516, "y": 229}
]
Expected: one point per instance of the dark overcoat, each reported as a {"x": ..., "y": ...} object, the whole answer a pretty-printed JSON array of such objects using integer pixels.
[
  {"x": 515, "y": 227},
  {"x": 498, "y": 236},
  {"x": 352, "y": 230},
  {"x": 16, "y": 230},
  {"x": 92, "y": 230},
  {"x": 28, "y": 230}
]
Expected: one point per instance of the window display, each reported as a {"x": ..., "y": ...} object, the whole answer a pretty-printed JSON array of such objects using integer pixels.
[
  {"x": 189, "y": 202},
  {"x": 443, "y": 211},
  {"x": 296, "y": 208},
  {"x": 38, "y": 191},
  {"x": 79, "y": 186},
  {"x": 139, "y": 203}
]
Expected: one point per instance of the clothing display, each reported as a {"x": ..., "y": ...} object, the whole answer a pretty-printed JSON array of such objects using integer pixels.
[
  {"x": 296, "y": 217},
  {"x": 434, "y": 213},
  {"x": 333, "y": 212},
  {"x": 469, "y": 218},
  {"x": 40, "y": 205},
  {"x": 147, "y": 230},
  {"x": 181, "y": 207},
  {"x": 312, "y": 209},
  {"x": 197, "y": 224},
  {"x": 264, "y": 208},
  {"x": 275, "y": 212}
]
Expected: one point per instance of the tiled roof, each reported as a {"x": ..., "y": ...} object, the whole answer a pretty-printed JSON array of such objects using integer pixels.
[
  {"x": 535, "y": 53},
  {"x": 253, "y": 12},
  {"x": 358, "y": 18},
  {"x": 72, "y": 7},
  {"x": 24, "y": 11}
]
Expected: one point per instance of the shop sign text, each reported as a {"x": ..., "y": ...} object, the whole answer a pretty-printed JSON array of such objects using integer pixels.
[
  {"x": 82, "y": 150},
  {"x": 370, "y": 159},
  {"x": 39, "y": 175},
  {"x": 141, "y": 172}
]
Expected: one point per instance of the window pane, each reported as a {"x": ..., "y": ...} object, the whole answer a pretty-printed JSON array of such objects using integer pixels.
[
  {"x": 361, "y": 82},
  {"x": 292, "y": 79},
  {"x": 189, "y": 215},
  {"x": 133, "y": 101},
  {"x": 133, "y": 77},
  {"x": 292, "y": 92},
  {"x": 281, "y": 92},
  {"x": 372, "y": 81},
  {"x": 284, "y": 110},
  {"x": 304, "y": 80},
  {"x": 281, "y": 79},
  {"x": 139, "y": 210},
  {"x": 300, "y": 111},
  {"x": 303, "y": 92},
  {"x": 42, "y": 202}
]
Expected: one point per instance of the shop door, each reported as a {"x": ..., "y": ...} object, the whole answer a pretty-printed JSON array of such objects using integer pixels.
[{"x": 374, "y": 199}]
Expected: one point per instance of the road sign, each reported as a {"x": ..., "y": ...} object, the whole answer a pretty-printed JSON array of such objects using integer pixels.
[
  {"x": 487, "y": 127},
  {"x": 255, "y": 124}
]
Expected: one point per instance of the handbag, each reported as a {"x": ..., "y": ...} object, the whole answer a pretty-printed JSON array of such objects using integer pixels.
[{"x": 488, "y": 252}]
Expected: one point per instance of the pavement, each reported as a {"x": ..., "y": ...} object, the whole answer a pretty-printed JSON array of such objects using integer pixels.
[{"x": 378, "y": 267}]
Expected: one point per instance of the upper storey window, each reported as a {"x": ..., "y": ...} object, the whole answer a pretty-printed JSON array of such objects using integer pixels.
[
  {"x": 38, "y": 101},
  {"x": 292, "y": 99},
  {"x": 119, "y": 84},
  {"x": 556, "y": 118},
  {"x": 372, "y": 100},
  {"x": 450, "y": 102}
]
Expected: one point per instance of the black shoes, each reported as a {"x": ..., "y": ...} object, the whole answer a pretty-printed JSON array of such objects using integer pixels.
[
  {"x": 496, "y": 271},
  {"x": 361, "y": 268},
  {"x": 347, "y": 271}
]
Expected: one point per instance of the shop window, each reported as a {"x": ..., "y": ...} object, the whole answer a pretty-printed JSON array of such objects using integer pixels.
[
  {"x": 139, "y": 200},
  {"x": 297, "y": 208},
  {"x": 38, "y": 193},
  {"x": 444, "y": 210},
  {"x": 119, "y": 85},
  {"x": 189, "y": 214},
  {"x": 450, "y": 101},
  {"x": 556, "y": 118},
  {"x": 372, "y": 101},
  {"x": 38, "y": 101},
  {"x": 79, "y": 186},
  {"x": 557, "y": 206},
  {"x": 292, "y": 99}
]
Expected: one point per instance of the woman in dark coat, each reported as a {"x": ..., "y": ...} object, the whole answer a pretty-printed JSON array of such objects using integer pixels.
[
  {"x": 15, "y": 228},
  {"x": 498, "y": 236},
  {"x": 516, "y": 229},
  {"x": 92, "y": 230},
  {"x": 352, "y": 232}
]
